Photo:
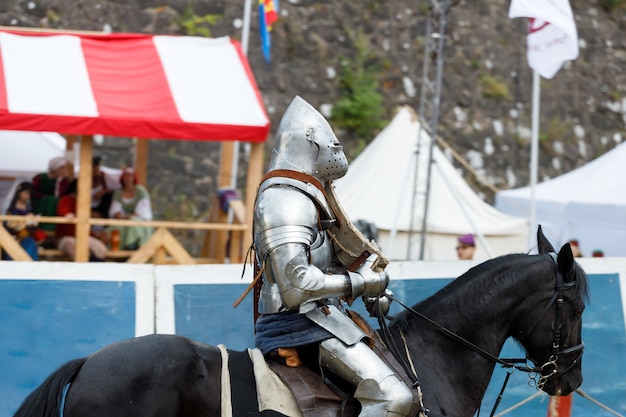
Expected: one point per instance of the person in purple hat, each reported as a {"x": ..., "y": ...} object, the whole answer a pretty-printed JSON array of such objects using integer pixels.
[{"x": 466, "y": 247}]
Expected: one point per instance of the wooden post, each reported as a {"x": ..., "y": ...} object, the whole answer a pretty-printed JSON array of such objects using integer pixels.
[
  {"x": 219, "y": 239},
  {"x": 83, "y": 204},
  {"x": 70, "y": 140},
  {"x": 253, "y": 179},
  {"x": 141, "y": 160},
  {"x": 12, "y": 247},
  {"x": 160, "y": 243},
  {"x": 226, "y": 164},
  {"x": 215, "y": 241}
]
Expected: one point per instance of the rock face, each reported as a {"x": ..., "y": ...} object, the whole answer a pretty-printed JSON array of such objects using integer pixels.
[{"x": 485, "y": 112}]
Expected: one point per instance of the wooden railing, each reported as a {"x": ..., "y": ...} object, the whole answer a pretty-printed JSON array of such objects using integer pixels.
[
  {"x": 161, "y": 248},
  {"x": 220, "y": 232}
]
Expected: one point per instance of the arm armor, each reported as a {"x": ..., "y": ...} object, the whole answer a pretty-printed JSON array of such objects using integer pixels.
[
  {"x": 295, "y": 253},
  {"x": 299, "y": 281}
]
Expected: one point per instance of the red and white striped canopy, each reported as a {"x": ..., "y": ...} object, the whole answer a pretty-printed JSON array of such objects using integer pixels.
[{"x": 129, "y": 85}]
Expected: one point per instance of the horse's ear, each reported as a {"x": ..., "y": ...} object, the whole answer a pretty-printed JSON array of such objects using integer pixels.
[
  {"x": 565, "y": 262},
  {"x": 543, "y": 244}
]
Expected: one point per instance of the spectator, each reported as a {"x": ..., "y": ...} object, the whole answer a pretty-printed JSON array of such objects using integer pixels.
[
  {"x": 47, "y": 187},
  {"x": 26, "y": 232},
  {"x": 66, "y": 233},
  {"x": 131, "y": 202},
  {"x": 102, "y": 187},
  {"x": 466, "y": 246}
]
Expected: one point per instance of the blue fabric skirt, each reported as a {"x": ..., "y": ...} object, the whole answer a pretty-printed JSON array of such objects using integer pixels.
[{"x": 287, "y": 329}]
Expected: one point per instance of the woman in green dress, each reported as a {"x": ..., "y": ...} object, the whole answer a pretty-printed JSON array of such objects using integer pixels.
[{"x": 131, "y": 202}]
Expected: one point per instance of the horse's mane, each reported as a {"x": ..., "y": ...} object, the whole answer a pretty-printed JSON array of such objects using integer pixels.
[{"x": 490, "y": 270}]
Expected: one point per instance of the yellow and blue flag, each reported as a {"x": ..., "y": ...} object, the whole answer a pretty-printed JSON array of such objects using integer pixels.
[{"x": 268, "y": 14}]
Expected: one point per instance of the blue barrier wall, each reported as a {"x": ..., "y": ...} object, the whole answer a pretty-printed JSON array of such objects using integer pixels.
[
  {"x": 71, "y": 310},
  {"x": 46, "y": 323},
  {"x": 63, "y": 313},
  {"x": 604, "y": 334}
]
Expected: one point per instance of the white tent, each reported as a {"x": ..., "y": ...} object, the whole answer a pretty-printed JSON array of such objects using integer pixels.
[
  {"x": 41, "y": 147},
  {"x": 587, "y": 204},
  {"x": 379, "y": 188},
  {"x": 17, "y": 165},
  {"x": 23, "y": 155}
]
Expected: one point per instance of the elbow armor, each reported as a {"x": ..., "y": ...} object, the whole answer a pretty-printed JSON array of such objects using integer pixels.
[
  {"x": 295, "y": 253},
  {"x": 302, "y": 283}
]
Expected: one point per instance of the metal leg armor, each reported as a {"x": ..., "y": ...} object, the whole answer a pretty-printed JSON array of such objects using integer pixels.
[{"x": 379, "y": 390}]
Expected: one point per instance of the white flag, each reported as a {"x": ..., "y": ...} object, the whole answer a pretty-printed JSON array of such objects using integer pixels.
[{"x": 552, "y": 35}]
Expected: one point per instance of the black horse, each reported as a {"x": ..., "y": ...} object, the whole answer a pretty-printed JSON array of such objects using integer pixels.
[{"x": 452, "y": 339}]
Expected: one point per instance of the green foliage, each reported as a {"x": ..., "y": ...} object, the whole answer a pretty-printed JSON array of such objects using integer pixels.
[
  {"x": 560, "y": 130},
  {"x": 492, "y": 88},
  {"x": 557, "y": 130},
  {"x": 424, "y": 8},
  {"x": 52, "y": 16},
  {"x": 610, "y": 5},
  {"x": 374, "y": 5},
  {"x": 197, "y": 25},
  {"x": 360, "y": 108},
  {"x": 615, "y": 96}
]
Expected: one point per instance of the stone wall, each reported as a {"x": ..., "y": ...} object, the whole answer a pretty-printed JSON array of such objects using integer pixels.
[{"x": 582, "y": 108}]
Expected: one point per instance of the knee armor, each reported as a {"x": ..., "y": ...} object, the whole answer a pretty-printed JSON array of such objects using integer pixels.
[{"x": 378, "y": 389}]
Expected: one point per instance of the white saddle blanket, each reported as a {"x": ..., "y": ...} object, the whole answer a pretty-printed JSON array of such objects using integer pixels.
[{"x": 272, "y": 393}]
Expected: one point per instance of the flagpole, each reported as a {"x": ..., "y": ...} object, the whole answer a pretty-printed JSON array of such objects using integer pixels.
[
  {"x": 245, "y": 39},
  {"x": 534, "y": 158},
  {"x": 245, "y": 33}
]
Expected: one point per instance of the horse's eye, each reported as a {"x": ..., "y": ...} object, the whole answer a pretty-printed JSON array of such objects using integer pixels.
[{"x": 578, "y": 313}]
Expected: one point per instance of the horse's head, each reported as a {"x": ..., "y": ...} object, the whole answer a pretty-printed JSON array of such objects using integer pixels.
[{"x": 553, "y": 339}]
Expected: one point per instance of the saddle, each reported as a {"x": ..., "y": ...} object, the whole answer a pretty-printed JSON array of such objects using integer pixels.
[
  {"x": 313, "y": 395},
  {"x": 319, "y": 397}
]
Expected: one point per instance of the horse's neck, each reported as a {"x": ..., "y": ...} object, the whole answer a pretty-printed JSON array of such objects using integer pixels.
[{"x": 480, "y": 313}]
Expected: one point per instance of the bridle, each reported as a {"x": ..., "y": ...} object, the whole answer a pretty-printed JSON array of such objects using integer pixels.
[
  {"x": 550, "y": 369},
  {"x": 546, "y": 371}
]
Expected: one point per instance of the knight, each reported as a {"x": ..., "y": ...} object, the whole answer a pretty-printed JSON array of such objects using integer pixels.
[{"x": 303, "y": 280}]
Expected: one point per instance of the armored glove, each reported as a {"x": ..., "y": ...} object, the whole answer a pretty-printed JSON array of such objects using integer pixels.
[
  {"x": 366, "y": 281},
  {"x": 380, "y": 304}
]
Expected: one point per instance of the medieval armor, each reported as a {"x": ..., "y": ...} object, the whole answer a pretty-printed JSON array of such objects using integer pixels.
[{"x": 303, "y": 280}]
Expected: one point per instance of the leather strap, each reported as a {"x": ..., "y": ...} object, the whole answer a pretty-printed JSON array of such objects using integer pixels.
[{"x": 300, "y": 176}]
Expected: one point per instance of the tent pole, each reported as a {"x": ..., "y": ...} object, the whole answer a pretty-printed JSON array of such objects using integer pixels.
[
  {"x": 141, "y": 160},
  {"x": 83, "y": 203},
  {"x": 227, "y": 169},
  {"x": 70, "y": 140}
]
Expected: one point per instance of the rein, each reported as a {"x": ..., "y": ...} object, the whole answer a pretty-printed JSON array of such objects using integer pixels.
[
  {"x": 509, "y": 363},
  {"x": 546, "y": 371}
]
